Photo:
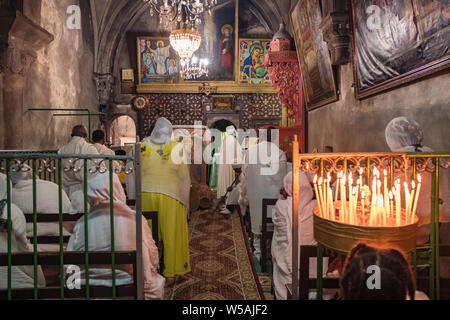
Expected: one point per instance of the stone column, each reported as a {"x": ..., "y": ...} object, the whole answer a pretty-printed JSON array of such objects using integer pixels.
[{"x": 19, "y": 41}]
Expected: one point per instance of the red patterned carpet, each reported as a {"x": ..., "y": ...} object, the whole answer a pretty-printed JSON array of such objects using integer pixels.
[{"x": 220, "y": 262}]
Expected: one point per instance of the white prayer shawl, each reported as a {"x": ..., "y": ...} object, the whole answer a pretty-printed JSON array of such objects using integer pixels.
[
  {"x": 73, "y": 181},
  {"x": 282, "y": 237},
  {"x": 22, "y": 276},
  {"x": 264, "y": 181},
  {"x": 47, "y": 201},
  {"x": 125, "y": 238},
  {"x": 104, "y": 150},
  {"x": 230, "y": 154}
]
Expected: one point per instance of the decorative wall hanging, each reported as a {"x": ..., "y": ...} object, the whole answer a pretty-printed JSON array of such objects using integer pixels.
[
  {"x": 223, "y": 103},
  {"x": 396, "y": 42},
  {"x": 315, "y": 64}
]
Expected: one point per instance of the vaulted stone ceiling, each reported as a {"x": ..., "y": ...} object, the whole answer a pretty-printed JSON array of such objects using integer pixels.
[{"x": 112, "y": 19}]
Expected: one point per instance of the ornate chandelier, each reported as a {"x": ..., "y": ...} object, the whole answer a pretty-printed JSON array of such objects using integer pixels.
[
  {"x": 194, "y": 68},
  {"x": 177, "y": 10},
  {"x": 185, "y": 42}
]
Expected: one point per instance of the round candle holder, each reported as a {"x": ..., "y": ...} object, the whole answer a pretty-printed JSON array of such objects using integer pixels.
[{"x": 341, "y": 237}]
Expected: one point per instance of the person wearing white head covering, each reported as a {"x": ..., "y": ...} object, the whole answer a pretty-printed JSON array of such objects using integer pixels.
[
  {"x": 282, "y": 235},
  {"x": 47, "y": 195},
  {"x": 230, "y": 159},
  {"x": 22, "y": 276},
  {"x": 405, "y": 135},
  {"x": 265, "y": 169},
  {"x": 73, "y": 181},
  {"x": 166, "y": 190},
  {"x": 99, "y": 237}
]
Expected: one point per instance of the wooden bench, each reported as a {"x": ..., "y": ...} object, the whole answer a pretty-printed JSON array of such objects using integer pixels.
[
  {"x": 72, "y": 258},
  {"x": 266, "y": 232},
  {"x": 306, "y": 283}
]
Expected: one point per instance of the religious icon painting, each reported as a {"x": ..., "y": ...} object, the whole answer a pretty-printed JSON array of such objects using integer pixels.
[
  {"x": 251, "y": 56},
  {"x": 398, "y": 42},
  {"x": 314, "y": 57},
  {"x": 219, "y": 35},
  {"x": 157, "y": 61}
]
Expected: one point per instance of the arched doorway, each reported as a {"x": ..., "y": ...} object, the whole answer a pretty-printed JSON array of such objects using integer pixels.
[{"x": 122, "y": 131}]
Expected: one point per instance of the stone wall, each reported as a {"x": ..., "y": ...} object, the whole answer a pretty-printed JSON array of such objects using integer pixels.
[
  {"x": 350, "y": 125},
  {"x": 61, "y": 76}
]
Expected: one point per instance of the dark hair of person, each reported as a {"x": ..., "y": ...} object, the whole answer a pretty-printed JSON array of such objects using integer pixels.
[
  {"x": 269, "y": 133},
  {"x": 98, "y": 136},
  {"x": 396, "y": 278},
  {"x": 120, "y": 152},
  {"x": 79, "y": 131}
]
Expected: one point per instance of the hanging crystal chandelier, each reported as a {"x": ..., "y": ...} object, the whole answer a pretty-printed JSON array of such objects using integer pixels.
[
  {"x": 185, "y": 42},
  {"x": 177, "y": 10},
  {"x": 194, "y": 68}
]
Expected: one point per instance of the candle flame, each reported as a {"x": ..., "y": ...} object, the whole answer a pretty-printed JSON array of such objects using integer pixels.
[
  {"x": 315, "y": 179},
  {"x": 419, "y": 178},
  {"x": 361, "y": 171}
]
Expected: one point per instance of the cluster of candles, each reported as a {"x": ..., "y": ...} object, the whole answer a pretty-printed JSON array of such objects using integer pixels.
[{"x": 364, "y": 206}]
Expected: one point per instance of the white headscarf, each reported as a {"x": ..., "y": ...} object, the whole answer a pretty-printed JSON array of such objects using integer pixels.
[
  {"x": 162, "y": 133},
  {"x": 99, "y": 191},
  {"x": 405, "y": 135}
]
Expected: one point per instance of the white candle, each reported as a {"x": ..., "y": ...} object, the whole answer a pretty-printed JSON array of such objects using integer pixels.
[
  {"x": 419, "y": 179},
  {"x": 318, "y": 196}
]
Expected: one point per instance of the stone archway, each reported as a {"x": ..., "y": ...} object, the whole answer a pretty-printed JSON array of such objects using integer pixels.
[{"x": 122, "y": 131}]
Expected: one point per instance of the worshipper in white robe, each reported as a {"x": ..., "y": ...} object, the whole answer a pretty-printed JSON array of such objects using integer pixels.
[
  {"x": 98, "y": 138},
  {"x": 282, "y": 236},
  {"x": 406, "y": 135},
  {"x": 265, "y": 172},
  {"x": 99, "y": 237},
  {"x": 21, "y": 276},
  {"x": 73, "y": 181},
  {"x": 47, "y": 201},
  {"x": 230, "y": 153}
]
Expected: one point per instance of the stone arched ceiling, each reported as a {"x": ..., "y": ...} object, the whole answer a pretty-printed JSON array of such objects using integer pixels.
[{"x": 111, "y": 20}]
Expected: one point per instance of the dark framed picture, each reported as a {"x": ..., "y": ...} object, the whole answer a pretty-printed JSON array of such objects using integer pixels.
[
  {"x": 396, "y": 42},
  {"x": 219, "y": 41},
  {"x": 223, "y": 103},
  {"x": 157, "y": 61},
  {"x": 314, "y": 58}
]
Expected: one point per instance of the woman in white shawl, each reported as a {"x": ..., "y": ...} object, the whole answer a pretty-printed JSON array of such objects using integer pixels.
[
  {"x": 282, "y": 236},
  {"x": 124, "y": 236},
  {"x": 405, "y": 135},
  {"x": 21, "y": 276}
]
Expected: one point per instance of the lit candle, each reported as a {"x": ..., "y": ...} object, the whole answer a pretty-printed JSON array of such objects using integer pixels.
[
  {"x": 407, "y": 201},
  {"x": 363, "y": 205},
  {"x": 411, "y": 201},
  {"x": 374, "y": 202},
  {"x": 337, "y": 186},
  {"x": 419, "y": 179},
  {"x": 361, "y": 172},
  {"x": 318, "y": 196},
  {"x": 386, "y": 192},
  {"x": 398, "y": 204},
  {"x": 343, "y": 199},
  {"x": 330, "y": 199},
  {"x": 391, "y": 204}
]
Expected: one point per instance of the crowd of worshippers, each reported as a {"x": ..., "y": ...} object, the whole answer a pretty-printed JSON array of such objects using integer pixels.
[{"x": 166, "y": 190}]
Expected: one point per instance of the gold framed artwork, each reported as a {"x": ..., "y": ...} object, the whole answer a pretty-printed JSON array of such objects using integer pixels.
[
  {"x": 220, "y": 45},
  {"x": 223, "y": 103},
  {"x": 314, "y": 58}
]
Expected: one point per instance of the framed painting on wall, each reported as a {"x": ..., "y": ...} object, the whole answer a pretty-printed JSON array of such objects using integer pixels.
[
  {"x": 251, "y": 61},
  {"x": 220, "y": 45},
  {"x": 398, "y": 42},
  {"x": 157, "y": 61},
  {"x": 315, "y": 63}
]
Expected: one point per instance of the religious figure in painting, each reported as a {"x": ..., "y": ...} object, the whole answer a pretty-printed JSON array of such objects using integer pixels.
[
  {"x": 172, "y": 67},
  {"x": 438, "y": 17},
  {"x": 160, "y": 56},
  {"x": 226, "y": 49},
  {"x": 253, "y": 65}
]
